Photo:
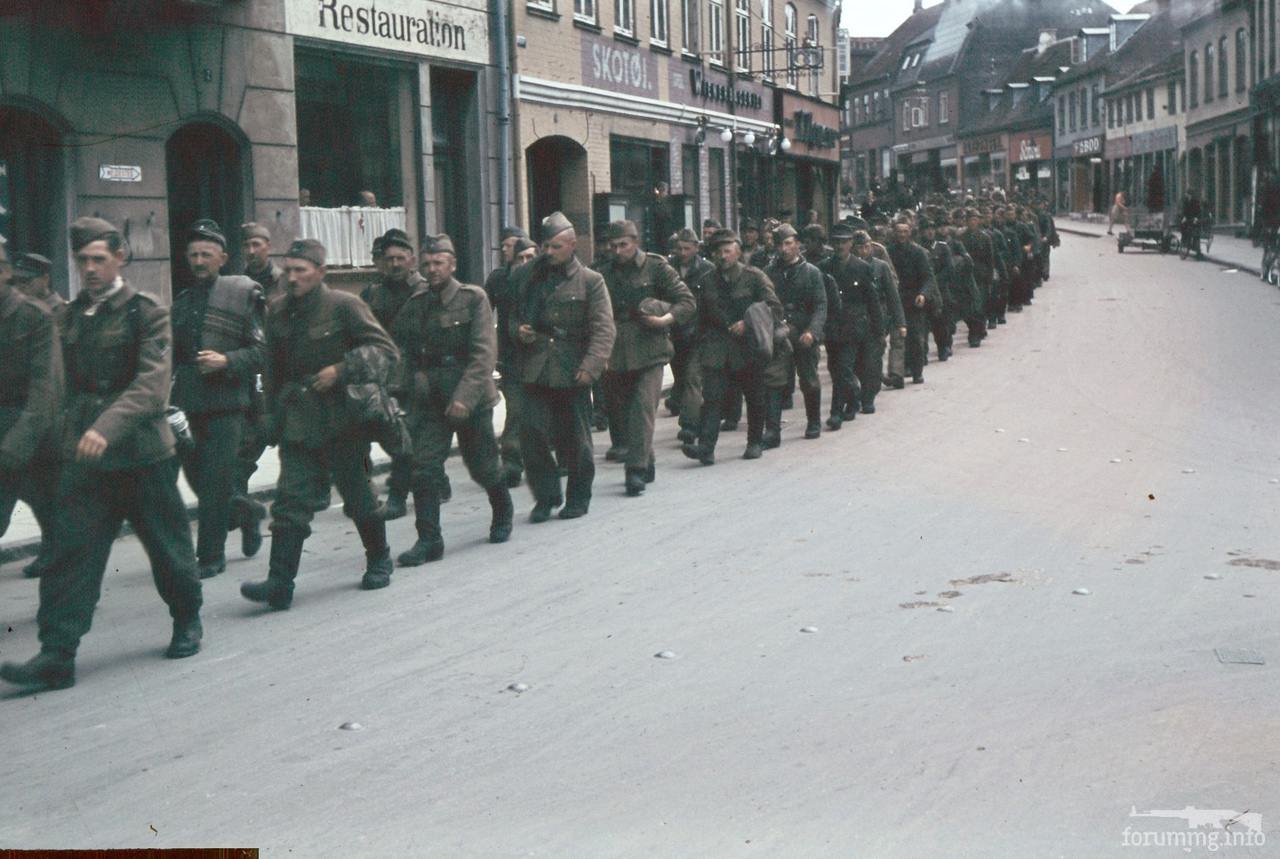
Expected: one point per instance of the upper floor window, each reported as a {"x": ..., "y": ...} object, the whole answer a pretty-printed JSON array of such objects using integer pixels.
[
  {"x": 1094, "y": 116},
  {"x": 1242, "y": 62},
  {"x": 544, "y": 5},
  {"x": 585, "y": 10},
  {"x": 1071, "y": 110},
  {"x": 1062, "y": 114},
  {"x": 944, "y": 108},
  {"x": 812, "y": 42},
  {"x": 1223, "y": 83},
  {"x": 624, "y": 17},
  {"x": 1151, "y": 103},
  {"x": 1193, "y": 78},
  {"x": 659, "y": 26},
  {"x": 742, "y": 34},
  {"x": 1171, "y": 104},
  {"x": 689, "y": 31},
  {"x": 766, "y": 37},
  {"x": 1208, "y": 72},
  {"x": 789, "y": 24},
  {"x": 715, "y": 31}
]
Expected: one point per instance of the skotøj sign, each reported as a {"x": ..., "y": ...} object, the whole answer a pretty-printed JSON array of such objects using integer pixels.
[{"x": 422, "y": 27}]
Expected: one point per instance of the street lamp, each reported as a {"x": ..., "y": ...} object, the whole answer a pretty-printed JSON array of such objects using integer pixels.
[
  {"x": 785, "y": 145},
  {"x": 726, "y": 135},
  {"x": 749, "y": 138}
]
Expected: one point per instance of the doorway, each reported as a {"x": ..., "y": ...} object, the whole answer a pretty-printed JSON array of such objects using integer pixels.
[
  {"x": 206, "y": 173},
  {"x": 32, "y": 211},
  {"x": 557, "y": 178}
]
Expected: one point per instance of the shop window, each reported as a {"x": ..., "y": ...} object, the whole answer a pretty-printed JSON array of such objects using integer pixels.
[
  {"x": 456, "y": 168},
  {"x": 658, "y": 24},
  {"x": 715, "y": 31},
  {"x": 689, "y": 25},
  {"x": 624, "y": 20},
  {"x": 585, "y": 10},
  {"x": 349, "y": 131},
  {"x": 638, "y": 166},
  {"x": 1241, "y": 61},
  {"x": 742, "y": 34},
  {"x": 715, "y": 184}
]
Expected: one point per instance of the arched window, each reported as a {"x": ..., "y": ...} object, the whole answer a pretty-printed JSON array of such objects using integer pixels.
[{"x": 789, "y": 42}]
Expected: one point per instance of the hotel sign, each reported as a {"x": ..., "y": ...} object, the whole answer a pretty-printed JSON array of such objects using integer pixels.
[{"x": 423, "y": 27}]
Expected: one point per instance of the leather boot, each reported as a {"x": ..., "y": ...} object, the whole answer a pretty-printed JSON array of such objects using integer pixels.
[
  {"x": 504, "y": 514},
  {"x": 251, "y": 514},
  {"x": 377, "y": 571},
  {"x": 48, "y": 669},
  {"x": 635, "y": 481},
  {"x": 772, "y": 421},
  {"x": 277, "y": 590},
  {"x": 187, "y": 633},
  {"x": 813, "y": 413},
  {"x": 394, "y": 507},
  {"x": 430, "y": 544}
]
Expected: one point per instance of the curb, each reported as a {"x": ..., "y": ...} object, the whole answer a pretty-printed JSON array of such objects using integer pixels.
[
  {"x": 1256, "y": 271},
  {"x": 29, "y": 548}
]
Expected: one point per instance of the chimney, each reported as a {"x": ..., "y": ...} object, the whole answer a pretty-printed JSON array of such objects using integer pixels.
[{"x": 919, "y": 7}]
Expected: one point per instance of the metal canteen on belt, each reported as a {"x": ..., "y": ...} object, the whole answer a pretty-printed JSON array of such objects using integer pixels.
[{"x": 177, "y": 420}]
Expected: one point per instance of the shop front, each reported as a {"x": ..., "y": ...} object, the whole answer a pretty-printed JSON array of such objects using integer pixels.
[
  {"x": 391, "y": 127},
  {"x": 1153, "y": 159},
  {"x": 924, "y": 165},
  {"x": 809, "y": 169},
  {"x": 1079, "y": 169},
  {"x": 1031, "y": 163},
  {"x": 984, "y": 163}
]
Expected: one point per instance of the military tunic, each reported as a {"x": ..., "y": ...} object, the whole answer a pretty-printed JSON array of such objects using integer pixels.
[
  {"x": 854, "y": 336},
  {"x": 686, "y": 387},
  {"x": 386, "y": 299},
  {"x": 633, "y": 381}
]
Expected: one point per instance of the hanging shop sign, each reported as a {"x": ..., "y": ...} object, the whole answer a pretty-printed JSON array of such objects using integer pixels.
[
  {"x": 423, "y": 27},
  {"x": 812, "y": 126},
  {"x": 984, "y": 145},
  {"x": 1088, "y": 147},
  {"x": 617, "y": 67}
]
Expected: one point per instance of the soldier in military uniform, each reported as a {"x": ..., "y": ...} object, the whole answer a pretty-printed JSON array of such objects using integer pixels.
[
  {"x": 32, "y": 277},
  {"x": 217, "y": 356},
  {"x": 498, "y": 289},
  {"x": 400, "y": 279},
  {"x": 247, "y": 513},
  {"x": 648, "y": 299},
  {"x": 919, "y": 289},
  {"x": 723, "y": 350},
  {"x": 118, "y": 452},
  {"x": 981, "y": 250},
  {"x": 564, "y": 328},
  {"x": 450, "y": 350},
  {"x": 1048, "y": 234},
  {"x": 313, "y": 334},
  {"x": 30, "y": 401},
  {"x": 685, "y": 398},
  {"x": 801, "y": 289},
  {"x": 944, "y": 268},
  {"x": 854, "y": 334}
]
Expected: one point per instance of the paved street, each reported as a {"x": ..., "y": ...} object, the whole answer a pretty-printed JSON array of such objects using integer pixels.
[{"x": 1120, "y": 436}]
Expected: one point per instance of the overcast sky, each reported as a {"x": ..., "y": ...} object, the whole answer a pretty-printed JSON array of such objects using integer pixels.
[{"x": 882, "y": 17}]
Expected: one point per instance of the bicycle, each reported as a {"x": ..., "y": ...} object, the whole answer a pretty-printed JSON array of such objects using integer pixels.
[{"x": 1197, "y": 236}]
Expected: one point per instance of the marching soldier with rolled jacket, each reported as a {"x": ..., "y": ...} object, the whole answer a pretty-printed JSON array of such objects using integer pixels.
[
  {"x": 450, "y": 350},
  {"x": 217, "y": 356},
  {"x": 648, "y": 298},
  {"x": 118, "y": 462},
  {"x": 564, "y": 327},
  {"x": 318, "y": 339}
]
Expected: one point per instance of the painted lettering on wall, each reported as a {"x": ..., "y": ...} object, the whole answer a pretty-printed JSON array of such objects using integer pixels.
[
  {"x": 424, "y": 27},
  {"x": 432, "y": 30},
  {"x": 810, "y": 132},
  {"x": 723, "y": 93},
  {"x": 608, "y": 65}
]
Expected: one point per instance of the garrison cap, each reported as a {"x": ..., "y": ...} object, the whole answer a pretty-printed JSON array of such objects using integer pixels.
[
  {"x": 398, "y": 238},
  {"x": 32, "y": 265},
  {"x": 438, "y": 244},
  {"x": 87, "y": 230},
  {"x": 686, "y": 235},
  {"x": 841, "y": 233},
  {"x": 782, "y": 232},
  {"x": 253, "y": 230},
  {"x": 722, "y": 236},
  {"x": 553, "y": 225},
  {"x": 857, "y": 223},
  {"x": 207, "y": 230},
  {"x": 308, "y": 249},
  {"x": 861, "y": 237},
  {"x": 814, "y": 233},
  {"x": 523, "y": 243},
  {"x": 379, "y": 243},
  {"x": 512, "y": 233},
  {"x": 924, "y": 223},
  {"x": 711, "y": 223},
  {"x": 622, "y": 230},
  {"x": 748, "y": 224}
]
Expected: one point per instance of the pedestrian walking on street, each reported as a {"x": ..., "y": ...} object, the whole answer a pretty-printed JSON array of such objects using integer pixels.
[
  {"x": 801, "y": 289},
  {"x": 317, "y": 337},
  {"x": 450, "y": 349},
  {"x": 565, "y": 332},
  {"x": 118, "y": 462}
]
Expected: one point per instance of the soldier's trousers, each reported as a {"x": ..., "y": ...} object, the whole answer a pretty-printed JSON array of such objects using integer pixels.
[
  {"x": 306, "y": 475},
  {"x": 36, "y": 485},
  {"x": 942, "y": 327},
  {"x": 855, "y": 373},
  {"x": 211, "y": 468},
  {"x": 718, "y": 383},
  {"x": 558, "y": 419},
  {"x": 91, "y": 506},
  {"x": 917, "y": 341},
  {"x": 686, "y": 390},
  {"x": 432, "y": 435},
  {"x": 897, "y": 355},
  {"x": 633, "y": 404},
  {"x": 998, "y": 304},
  {"x": 509, "y": 443}
]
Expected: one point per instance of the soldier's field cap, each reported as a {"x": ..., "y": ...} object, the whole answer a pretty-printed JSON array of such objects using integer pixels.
[
  {"x": 308, "y": 249},
  {"x": 523, "y": 243},
  {"x": 814, "y": 233},
  {"x": 748, "y": 224},
  {"x": 711, "y": 223},
  {"x": 622, "y": 230},
  {"x": 841, "y": 233},
  {"x": 924, "y": 223},
  {"x": 861, "y": 237},
  {"x": 722, "y": 236},
  {"x": 207, "y": 230},
  {"x": 686, "y": 235},
  {"x": 782, "y": 232},
  {"x": 553, "y": 225},
  {"x": 252, "y": 230},
  {"x": 512, "y": 233},
  {"x": 32, "y": 265},
  {"x": 87, "y": 230},
  {"x": 857, "y": 223},
  {"x": 379, "y": 243},
  {"x": 438, "y": 244},
  {"x": 396, "y": 237}
]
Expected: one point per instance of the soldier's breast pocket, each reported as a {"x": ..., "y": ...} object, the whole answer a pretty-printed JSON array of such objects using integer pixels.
[
  {"x": 326, "y": 342},
  {"x": 568, "y": 310}
]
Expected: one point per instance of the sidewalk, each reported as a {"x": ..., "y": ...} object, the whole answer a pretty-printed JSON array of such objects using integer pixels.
[
  {"x": 1228, "y": 251},
  {"x": 23, "y": 537}
]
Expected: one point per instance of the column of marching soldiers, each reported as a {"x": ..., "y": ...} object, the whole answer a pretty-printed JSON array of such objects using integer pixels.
[{"x": 104, "y": 398}]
